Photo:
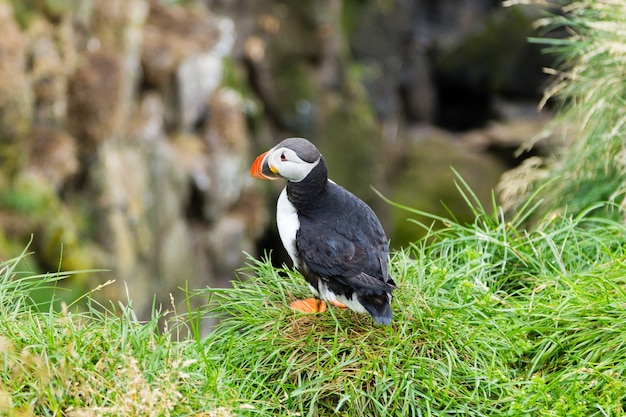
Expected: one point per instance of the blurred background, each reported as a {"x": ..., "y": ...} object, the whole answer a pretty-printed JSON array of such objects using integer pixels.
[{"x": 127, "y": 127}]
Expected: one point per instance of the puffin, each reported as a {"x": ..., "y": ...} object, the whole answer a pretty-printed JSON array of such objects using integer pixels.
[{"x": 334, "y": 239}]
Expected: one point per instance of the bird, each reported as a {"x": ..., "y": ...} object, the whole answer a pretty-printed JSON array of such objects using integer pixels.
[{"x": 334, "y": 238}]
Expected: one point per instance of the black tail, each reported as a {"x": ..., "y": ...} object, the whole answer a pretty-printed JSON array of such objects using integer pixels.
[{"x": 378, "y": 307}]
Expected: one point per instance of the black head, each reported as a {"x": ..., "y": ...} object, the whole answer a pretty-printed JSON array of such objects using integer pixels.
[
  {"x": 292, "y": 159},
  {"x": 302, "y": 147}
]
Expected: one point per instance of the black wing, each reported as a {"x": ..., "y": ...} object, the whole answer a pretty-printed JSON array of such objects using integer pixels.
[{"x": 347, "y": 244}]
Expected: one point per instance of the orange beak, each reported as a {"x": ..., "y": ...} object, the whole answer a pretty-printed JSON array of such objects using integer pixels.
[{"x": 261, "y": 168}]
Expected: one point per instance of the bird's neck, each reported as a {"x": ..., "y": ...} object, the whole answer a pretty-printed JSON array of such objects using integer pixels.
[{"x": 307, "y": 192}]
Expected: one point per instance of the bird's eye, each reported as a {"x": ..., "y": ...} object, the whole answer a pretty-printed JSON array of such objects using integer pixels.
[{"x": 283, "y": 157}]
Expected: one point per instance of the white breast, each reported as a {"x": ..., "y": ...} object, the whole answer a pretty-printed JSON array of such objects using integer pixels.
[{"x": 288, "y": 225}]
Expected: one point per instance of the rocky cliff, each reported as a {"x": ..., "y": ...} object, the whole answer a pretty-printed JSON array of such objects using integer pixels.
[
  {"x": 121, "y": 147},
  {"x": 127, "y": 126}
]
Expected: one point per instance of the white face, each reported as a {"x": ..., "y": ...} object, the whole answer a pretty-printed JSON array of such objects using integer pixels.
[{"x": 287, "y": 164}]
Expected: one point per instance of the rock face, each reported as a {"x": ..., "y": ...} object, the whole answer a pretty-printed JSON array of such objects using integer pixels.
[
  {"x": 16, "y": 103},
  {"x": 127, "y": 126},
  {"x": 121, "y": 124}
]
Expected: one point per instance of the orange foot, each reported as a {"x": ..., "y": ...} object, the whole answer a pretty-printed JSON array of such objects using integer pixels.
[
  {"x": 338, "y": 304},
  {"x": 310, "y": 305},
  {"x": 314, "y": 305}
]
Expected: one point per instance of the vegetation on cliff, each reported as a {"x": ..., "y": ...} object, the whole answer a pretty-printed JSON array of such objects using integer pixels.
[{"x": 588, "y": 90}]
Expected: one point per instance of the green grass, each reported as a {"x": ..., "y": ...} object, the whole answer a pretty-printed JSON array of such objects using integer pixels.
[
  {"x": 489, "y": 320},
  {"x": 84, "y": 363},
  {"x": 588, "y": 91}
]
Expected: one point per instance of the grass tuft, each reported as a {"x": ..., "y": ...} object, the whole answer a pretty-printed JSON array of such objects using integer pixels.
[
  {"x": 342, "y": 362},
  {"x": 588, "y": 90}
]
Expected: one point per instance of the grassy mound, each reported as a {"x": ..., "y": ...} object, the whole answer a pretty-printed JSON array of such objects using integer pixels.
[{"x": 489, "y": 320}]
